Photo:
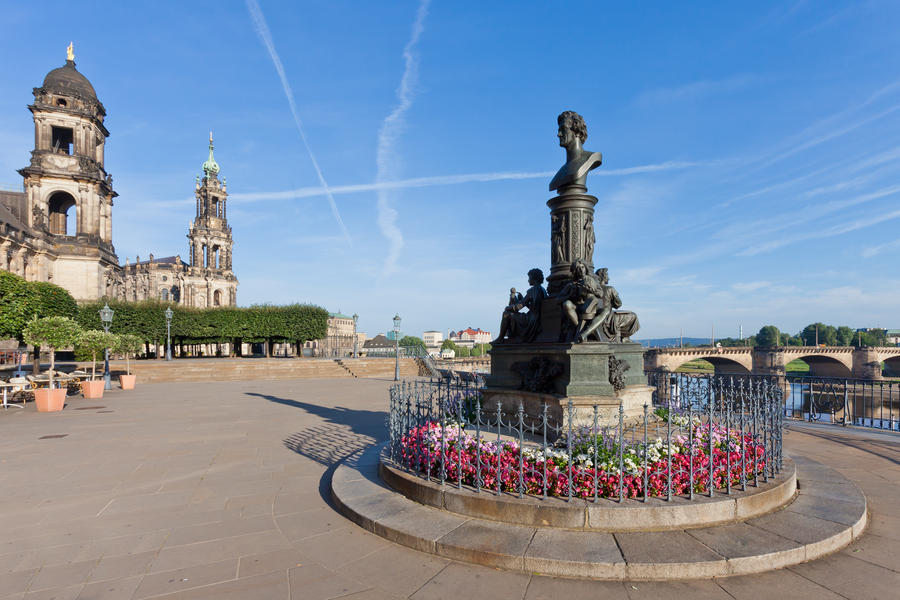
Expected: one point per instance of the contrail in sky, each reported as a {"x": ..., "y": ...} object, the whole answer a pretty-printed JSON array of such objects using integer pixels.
[
  {"x": 386, "y": 158},
  {"x": 439, "y": 180},
  {"x": 259, "y": 21}
]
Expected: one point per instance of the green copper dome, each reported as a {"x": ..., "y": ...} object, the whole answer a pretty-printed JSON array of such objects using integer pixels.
[{"x": 211, "y": 167}]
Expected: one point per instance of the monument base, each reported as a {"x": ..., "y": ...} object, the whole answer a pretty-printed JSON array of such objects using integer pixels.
[
  {"x": 632, "y": 399},
  {"x": 567, "y": 369}
]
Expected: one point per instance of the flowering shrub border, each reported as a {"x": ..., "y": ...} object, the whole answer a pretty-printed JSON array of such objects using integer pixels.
[{"x": 601, "y": 465}]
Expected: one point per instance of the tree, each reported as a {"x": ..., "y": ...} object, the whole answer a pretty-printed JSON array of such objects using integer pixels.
[
  {"x": 413, "y": 343},
  {"x": 844, "y": 335},
  {"x": 55, "y": 332},
  {"x": 462, "y": 352},
  {"x": 481, "y": 349},
  {"x": 92, "y": 342},
  {"x": 129, "y": 345},
  {"x": 448, "y": 344},
  {"x": 819, "y": 333},
  {"x": 768, "y": 336}
]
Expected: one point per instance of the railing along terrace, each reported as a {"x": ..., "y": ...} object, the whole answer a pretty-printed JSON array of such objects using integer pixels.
[
  {"x": 715, "y": 435},
  {"x": 860, "y": 402},
  {"x": 871, "y": 403}
]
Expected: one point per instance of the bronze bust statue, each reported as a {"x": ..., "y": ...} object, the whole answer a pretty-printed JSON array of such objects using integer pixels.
[{"x": 572, "y": 176}]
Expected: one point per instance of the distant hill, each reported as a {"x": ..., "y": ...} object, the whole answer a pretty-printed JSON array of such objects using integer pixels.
[{"x": 672, "y": 342}]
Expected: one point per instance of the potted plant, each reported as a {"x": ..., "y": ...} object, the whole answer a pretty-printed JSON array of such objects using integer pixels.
[
  {"x": 55, "y": 333},
  {"x": 93, "y": 342},
  {"x": 129, "y": 345}
]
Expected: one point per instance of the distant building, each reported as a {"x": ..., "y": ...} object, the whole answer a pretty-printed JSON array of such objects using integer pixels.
[
  {"x": 469, "y": 337},
  {"x": 379, "y": 345},
  {"x": 338, "y": 340},
  {"x": 432, "y": 339},
  {"x": 893, "y": 336}
]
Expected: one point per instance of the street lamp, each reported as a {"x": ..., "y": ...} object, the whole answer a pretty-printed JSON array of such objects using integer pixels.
[
  {"x": 355, "y": 338},
  {"x": 169, "y": 333},
  {"x": 106, "y": 316},
  {"x": 397, "y": 347}
]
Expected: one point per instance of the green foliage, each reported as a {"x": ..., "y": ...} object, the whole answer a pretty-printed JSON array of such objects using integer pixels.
[
  {"x": 768, "y": 336},
  {"x": 845, "y": 335},
  {"x": 21, "y": 301},
  {"x": 448, "y": 344},
  {"x": 414, "y": 343},
  {"x": 463, "y": 352},
  {"x": 91, "y": 342},
  {"x": 480, "y": 349},
  {"x": 824, "y": 334},
  {"x": 55, "y": 332},
  {"x": 146, "y": 320},
  {"x": 52, "y": 301},
  {"x": 127, "y": 344}
]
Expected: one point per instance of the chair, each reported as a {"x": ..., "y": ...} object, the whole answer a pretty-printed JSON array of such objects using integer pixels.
[{"x": 18, "y": 388}]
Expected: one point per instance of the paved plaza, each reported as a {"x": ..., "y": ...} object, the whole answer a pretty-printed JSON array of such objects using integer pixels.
[{"x": 221, "y": 490}]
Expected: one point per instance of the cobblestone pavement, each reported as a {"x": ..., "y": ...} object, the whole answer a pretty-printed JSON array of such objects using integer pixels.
[{"x": 221, "y": 490}]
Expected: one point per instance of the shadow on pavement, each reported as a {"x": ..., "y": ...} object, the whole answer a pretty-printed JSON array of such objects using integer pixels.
[{"x": 344, "y": 432}]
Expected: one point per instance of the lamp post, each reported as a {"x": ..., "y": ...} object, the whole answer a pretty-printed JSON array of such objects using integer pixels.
[
  {"x": 106, "y": 317},
  {"x": 355, "y": 338},
  {"x": 169, "y": 333},
  {"x": 397, "y": 347}
]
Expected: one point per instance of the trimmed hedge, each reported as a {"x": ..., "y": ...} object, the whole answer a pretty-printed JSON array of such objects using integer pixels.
[
  {"x": 292, "y": 323},
  {"x": 22, "y": 301}
]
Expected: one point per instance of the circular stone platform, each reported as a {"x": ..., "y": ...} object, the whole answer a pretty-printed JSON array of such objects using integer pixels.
[
  {"x": 607, "y": 515},
  {"x": 826, "y": 514}
]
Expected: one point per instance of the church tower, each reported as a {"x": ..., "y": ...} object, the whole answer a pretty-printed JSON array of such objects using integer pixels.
[
  {"x": 68, "y": 193},
  {"x": 210, "y": 237}
]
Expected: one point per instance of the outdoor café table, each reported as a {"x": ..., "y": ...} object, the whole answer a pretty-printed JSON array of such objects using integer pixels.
[{"x": 6, "y": 385}]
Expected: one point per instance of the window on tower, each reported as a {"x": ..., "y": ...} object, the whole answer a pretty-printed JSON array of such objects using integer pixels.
[{"x": 61, "y": 139}]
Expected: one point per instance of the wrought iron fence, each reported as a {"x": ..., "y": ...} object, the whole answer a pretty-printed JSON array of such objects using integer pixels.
[
  {"x": 706, "y": 436},
  {"x": 859, "y": 402}
]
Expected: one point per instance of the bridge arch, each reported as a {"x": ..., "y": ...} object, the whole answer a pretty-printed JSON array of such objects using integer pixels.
[
  {"x": 825, "y": 366},
  {"x": 892, "y": 366}
]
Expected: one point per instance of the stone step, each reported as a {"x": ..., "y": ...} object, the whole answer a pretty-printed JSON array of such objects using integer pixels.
[{"x": 828, "y": 513}]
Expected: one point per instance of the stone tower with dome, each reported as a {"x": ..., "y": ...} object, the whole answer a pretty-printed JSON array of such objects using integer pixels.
[{"x": 59, "y": 229}]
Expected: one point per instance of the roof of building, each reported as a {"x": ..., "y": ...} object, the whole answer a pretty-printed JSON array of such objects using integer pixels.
[
  {"x": 892, "y": 332},
  {"x": 6, "y": 215},
  {"x": 470, "y": 331},
  {"x": 339, "y": 315},
  {"x": 68, "y": 81},
  {"x": 379, "y": 341},
  {"x": 210, "y": 167},
  {"x": 164, "y": 260}
]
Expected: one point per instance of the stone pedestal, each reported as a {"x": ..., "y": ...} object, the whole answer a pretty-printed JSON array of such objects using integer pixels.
[
  {"x": 571, "y": 234},
  {"x": 572, "y": 370},
  {"x": 632, "y": 399},
  {"x": 555, "y": 373}
]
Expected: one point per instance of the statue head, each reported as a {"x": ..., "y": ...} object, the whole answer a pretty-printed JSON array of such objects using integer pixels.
[
  {"x": 571, "y": 129},
  {"x": 603, "y": 275},
  {"x": 578, "y": 269},
  {"x": 535, "y": 277}
]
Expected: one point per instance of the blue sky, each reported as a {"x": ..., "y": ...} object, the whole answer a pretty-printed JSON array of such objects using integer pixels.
[{"x": 751, "y": 153}]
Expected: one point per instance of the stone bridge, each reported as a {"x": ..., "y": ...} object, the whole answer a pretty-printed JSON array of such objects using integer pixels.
[{"x": 823, "y": 361}]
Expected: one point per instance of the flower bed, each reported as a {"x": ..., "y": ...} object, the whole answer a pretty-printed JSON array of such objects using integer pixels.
[{"x": 595, "y": 461}]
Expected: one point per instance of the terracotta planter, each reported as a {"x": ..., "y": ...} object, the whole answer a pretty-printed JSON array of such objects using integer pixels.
[
  {"x": 47, "y": 400},
  {"x": 127, "y": 381},
  {"x": 92, "y": 390}
]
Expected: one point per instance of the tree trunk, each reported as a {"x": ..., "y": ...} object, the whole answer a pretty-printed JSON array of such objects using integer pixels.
[{"x": 36, "y": 361}]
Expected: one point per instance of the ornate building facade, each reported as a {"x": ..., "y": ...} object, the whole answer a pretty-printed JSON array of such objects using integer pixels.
[{"x": 59, "y": 229}]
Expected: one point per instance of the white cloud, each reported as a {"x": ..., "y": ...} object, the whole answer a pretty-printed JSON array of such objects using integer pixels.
[{"x": 695, "y": 90}]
